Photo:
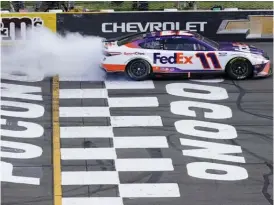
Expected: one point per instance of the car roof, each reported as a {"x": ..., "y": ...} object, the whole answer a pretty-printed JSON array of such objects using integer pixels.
[
  {"x": 154, "y": 34},
  {"x": 169, "y": 33}
]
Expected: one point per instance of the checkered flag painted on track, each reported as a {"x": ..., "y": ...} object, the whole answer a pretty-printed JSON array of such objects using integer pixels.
[{"x": 106, "y": 130}]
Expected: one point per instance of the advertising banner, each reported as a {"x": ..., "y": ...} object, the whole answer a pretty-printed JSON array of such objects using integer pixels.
[
  {"x": 217, "y": 25},
  {"x": 14, "y": 25}
]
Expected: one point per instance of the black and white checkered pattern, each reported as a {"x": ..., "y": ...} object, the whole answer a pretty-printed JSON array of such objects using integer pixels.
[{"x": 112, "y": 135}]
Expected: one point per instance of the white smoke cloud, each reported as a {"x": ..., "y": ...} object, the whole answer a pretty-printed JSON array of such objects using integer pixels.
[{"x": 47, "y": 53}]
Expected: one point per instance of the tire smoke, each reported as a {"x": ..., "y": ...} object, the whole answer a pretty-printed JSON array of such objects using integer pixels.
[{"x": 47, "y": 53}]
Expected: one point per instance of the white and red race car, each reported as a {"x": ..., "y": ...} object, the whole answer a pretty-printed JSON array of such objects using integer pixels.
[{"x": 142, "y": 55}]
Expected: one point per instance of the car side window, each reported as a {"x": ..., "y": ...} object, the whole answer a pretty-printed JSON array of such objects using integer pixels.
[
  {"x": 182, "y": 45},
  {"x": 151, "y": 44},
  {"x": 200, "y": 47},
  {"x": 178, "y": 44}
]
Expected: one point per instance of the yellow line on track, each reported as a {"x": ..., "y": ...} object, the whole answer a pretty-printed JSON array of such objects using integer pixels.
[{"x": 56, "y": 153}]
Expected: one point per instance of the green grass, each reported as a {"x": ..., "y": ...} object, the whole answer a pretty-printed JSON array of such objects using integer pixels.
[
  {"x": 237, "y": 4},
  {"x": 206, "y": 5},
  {"x": 127, "y": 5}
]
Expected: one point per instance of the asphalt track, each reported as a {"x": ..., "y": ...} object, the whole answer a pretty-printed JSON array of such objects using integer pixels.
[{"x": 251, "y": 102}]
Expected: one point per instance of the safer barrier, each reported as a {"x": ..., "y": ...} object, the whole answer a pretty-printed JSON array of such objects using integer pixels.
[{"x": 256, "y": 25}]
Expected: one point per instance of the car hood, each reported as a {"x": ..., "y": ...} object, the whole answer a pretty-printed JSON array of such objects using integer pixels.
[{"x": 240, "y": 47}]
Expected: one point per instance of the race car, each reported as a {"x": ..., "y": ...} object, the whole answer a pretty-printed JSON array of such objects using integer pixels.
[{"x": 142, "y": 55}]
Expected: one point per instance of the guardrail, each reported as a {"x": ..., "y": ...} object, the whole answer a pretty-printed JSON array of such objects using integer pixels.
[{"x": 241, "y": 25}]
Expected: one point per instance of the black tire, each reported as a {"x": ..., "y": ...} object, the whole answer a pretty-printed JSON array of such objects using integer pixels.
[
  {"x": 239, "y": 69},
  {"x": 138, "y": 69}
]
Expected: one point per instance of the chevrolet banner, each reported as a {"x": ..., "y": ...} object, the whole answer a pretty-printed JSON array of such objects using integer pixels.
[
  {"x": 242, "y": 25},
  {"x": 254, "y": 27}
]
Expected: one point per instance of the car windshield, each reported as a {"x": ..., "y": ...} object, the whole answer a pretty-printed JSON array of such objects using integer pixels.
[{"x": 212, "y": 43}]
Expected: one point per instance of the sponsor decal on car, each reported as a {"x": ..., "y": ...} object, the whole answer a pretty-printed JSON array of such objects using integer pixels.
[
  {"x": 134, "y": 53},
  {"x": 177, "y": 58},
  {"x": 239, "y": 44},
  {"x": 222, "y": 54},
  {"x": 108, "y": 44}
]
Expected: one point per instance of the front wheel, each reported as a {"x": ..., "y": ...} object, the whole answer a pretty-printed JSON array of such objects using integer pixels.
[
  {"x": 138, "y": 69},
  {"x": 239, "y": 69}
]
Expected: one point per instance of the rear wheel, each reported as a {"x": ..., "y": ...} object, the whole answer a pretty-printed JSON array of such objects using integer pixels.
[
  {"x": 138, "y": 69},
  {"x": 239, "y": 69}
]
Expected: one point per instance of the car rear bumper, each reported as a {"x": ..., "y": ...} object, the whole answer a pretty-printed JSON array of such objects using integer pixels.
[
  {"x": 102, "y": 67},
  {"x": 110, "y": 68}
]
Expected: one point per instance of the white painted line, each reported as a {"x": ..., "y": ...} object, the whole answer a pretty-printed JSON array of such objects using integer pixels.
[
  {"x": 71, "y": 78},
  {"x": 83, "y": 93},
  {"x": 84, "y": 112},
  {"x": 140, "y": 142},
  {"x": 149, "y": 190},
  {"x": 129, "y": 84},
  {"x": 86, "y": 132},
  {"x": 133, "y": 164},
  {"x": 92, "y": 201},
  {"x": 89, "y": 177},
  {"x": 84, "y": 77},
  {"x": 87, "y": 153},
  {"x": 136, "y": 121},
  {"x": 216, "y": 80},
  {"x": 133, "y": 102}
]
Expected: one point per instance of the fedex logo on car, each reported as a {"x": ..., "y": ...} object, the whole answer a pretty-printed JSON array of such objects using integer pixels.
[{"x": 177, "y": 58}]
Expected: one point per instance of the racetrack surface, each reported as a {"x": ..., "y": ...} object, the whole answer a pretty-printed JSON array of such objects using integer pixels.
[{"x": 145, "y": 165}]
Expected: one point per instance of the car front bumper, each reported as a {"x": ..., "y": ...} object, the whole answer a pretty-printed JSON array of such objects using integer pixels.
[{"x": 263, "y": 70}]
